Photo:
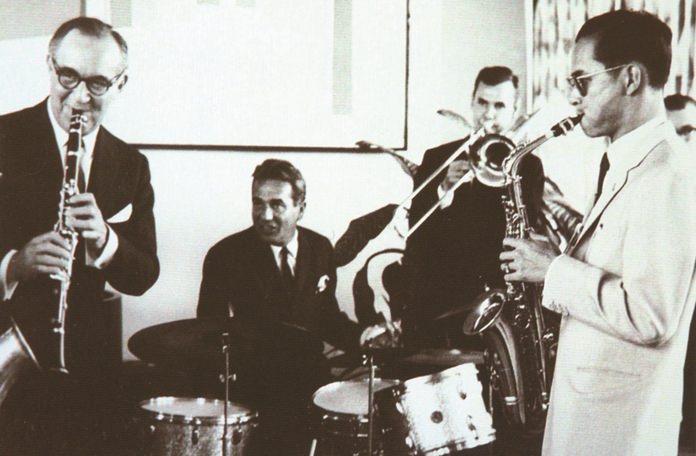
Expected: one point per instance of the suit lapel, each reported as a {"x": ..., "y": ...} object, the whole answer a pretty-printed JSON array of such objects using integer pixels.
[
  {"x": 47, "y": 155},
  {"x": 265, "y": 267},
  {"x": 105, "y": 168},
  {"x": 591, "y": 220}
]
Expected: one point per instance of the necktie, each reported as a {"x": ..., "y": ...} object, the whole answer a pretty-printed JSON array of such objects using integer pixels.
[
  {"x": 81, "y": 186},
  {"x": 603, "y": 168},
  {"x": 286, "y": 273}
]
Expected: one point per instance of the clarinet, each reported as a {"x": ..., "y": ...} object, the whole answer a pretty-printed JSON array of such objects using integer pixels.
[{"x": 69, "y": 188}]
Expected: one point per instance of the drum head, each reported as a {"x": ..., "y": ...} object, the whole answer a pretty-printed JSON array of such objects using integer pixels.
[
  {"x": 186, "y": 409},
  {"x": 349, "y": 397}
]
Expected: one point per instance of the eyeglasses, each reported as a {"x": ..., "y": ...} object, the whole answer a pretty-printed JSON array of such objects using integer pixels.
[
  {"x": 576, "y": 81},
  {"x": 69, "y": 79}
]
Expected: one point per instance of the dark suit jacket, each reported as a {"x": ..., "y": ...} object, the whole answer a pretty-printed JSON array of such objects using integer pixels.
[
  {"x": 29, "y": 193},
  {"x": 455, "y": 253},
  {"x": 240, "y": 275}
]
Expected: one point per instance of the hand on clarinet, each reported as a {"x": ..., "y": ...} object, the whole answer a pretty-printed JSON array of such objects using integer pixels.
[
  {"x": 45, "y": 254},
  {"x": 85, "y": 217}
]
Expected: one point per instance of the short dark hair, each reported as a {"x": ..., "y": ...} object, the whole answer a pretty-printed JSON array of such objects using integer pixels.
[
  {"x": 282, "y": 170},
  {"x": 89, "y": 26},
  {"x": 494, "y": 75},
  {"x": 625, "y": 36},
  {"x": 678, "y": 101}
]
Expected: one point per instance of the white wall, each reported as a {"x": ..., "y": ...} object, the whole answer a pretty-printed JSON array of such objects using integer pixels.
[{"x": 202, "y": 196}]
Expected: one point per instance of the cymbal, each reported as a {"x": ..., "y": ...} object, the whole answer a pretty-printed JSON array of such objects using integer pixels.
[
  {"x": 381, "y": 356},
  {"x": 197, "y": 343},
  {"x": 440, "y": 357},
  {"x": 427, "y": 357}
]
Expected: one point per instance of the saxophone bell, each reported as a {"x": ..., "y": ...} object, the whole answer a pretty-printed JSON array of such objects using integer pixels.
[{"x": 486, "y": 313}]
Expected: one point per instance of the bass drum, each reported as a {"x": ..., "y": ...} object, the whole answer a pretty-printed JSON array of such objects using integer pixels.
[
  {"x": 195, "y": 426},
  {"x": 435, "y": 414},
  {"x": 340, "y": 418}
]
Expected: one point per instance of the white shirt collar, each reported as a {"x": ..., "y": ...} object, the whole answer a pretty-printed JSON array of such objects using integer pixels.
[
  {"x": 624, "y": 153},
  {"x": 292, "y": 247}
]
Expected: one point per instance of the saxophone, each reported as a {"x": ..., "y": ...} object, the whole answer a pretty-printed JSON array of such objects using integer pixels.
[
  {"x": 521, "y": 343},
  {"x": 68, "y": 189}
]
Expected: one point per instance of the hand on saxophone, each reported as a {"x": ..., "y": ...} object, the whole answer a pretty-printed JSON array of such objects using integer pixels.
[
  {"x": 85, "y": 217},
  {"x": 527, "y": 260},
  {"x": 45, "y": 254}
]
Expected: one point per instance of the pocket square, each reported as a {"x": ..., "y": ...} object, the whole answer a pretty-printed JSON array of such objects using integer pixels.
[
  {"x": 121, "y": 216},
  {"x": 322, "y": 284}
]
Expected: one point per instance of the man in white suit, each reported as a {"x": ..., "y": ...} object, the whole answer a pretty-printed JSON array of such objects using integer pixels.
[{"x": 625, "y": 286}]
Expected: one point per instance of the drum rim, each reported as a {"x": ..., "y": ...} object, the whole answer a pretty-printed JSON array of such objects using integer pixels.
[
  {"x": 460, "y": 445},
  {"x": 250, "y": 415},
  {"x": 438, "y": 377},
  {"x": 344, "y": 416}
]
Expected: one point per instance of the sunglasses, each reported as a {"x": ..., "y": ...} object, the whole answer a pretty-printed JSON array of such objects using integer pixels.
[{"x": 580, "y": 81}]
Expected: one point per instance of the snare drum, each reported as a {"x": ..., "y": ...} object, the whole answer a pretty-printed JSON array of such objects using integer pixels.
[
  {"x": 435, "y": 414},
  {"x": 340, "y": 412},
  {"x": 194, "y": 427}
]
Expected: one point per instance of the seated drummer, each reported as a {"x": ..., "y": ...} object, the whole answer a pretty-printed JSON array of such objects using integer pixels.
[{"x": 276, "y": 271}]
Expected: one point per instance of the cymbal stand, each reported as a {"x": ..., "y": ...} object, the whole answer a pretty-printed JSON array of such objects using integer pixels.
[
  {"x": 370, "y": 401},
  {"x": 226, "y": 381}
]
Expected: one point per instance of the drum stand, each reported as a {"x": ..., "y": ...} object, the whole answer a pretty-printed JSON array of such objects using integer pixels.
[
  {"x": 370, "y": 401},
  {"x": 368, "y": 359},
  {"x": 226, "y": 381}
]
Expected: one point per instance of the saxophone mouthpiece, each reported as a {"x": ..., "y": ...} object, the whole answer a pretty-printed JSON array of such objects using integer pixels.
[{"x": 565, "y": 125}]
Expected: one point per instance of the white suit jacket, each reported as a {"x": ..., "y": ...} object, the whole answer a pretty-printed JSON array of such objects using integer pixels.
[{"x": 626, "y": 292}]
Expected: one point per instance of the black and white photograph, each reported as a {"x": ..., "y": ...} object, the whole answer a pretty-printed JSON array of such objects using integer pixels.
[{"x": 347, "y": 227}]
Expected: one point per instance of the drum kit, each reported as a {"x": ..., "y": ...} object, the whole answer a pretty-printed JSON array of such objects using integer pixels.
[{"x": 436, "y": 414}]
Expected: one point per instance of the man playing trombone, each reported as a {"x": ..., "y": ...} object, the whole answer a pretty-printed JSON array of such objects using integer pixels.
[{"x": 455, "y": 251}]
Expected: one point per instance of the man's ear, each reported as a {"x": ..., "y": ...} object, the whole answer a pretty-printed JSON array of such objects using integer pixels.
[
  {"x": 123, "y": 82},
  {"x": 303, "y": 206},
  {"x": 634, "y": 78}
]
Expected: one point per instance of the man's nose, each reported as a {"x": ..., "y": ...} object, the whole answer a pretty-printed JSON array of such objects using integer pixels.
[
  {"x": 574, "y": 96},
  {"x": 81, "y": 92},
  {"x": 266, "y": 213},
  {"x": 490, "y": 112}
]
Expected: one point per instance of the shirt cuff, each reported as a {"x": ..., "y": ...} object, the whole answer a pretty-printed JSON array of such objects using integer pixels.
[
  {"x": 108, "y": 251},
  {"x": 552, "y": 282},
  {"x": 6, "y": 289}
]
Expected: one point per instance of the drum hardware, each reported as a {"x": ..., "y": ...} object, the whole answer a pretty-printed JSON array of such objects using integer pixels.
[
  {"x": 340, "y": 415},
  {"x": 194, "y": 344},
  {"x": 226, "y": 380},
  {"x": 370, "y": 402}
]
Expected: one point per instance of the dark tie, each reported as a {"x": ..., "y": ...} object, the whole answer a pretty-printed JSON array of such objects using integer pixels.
[
  {"x": 286, "y": 273},
  {"x": 603, "y": 168},
  {"x": 81, "y": 186}
]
